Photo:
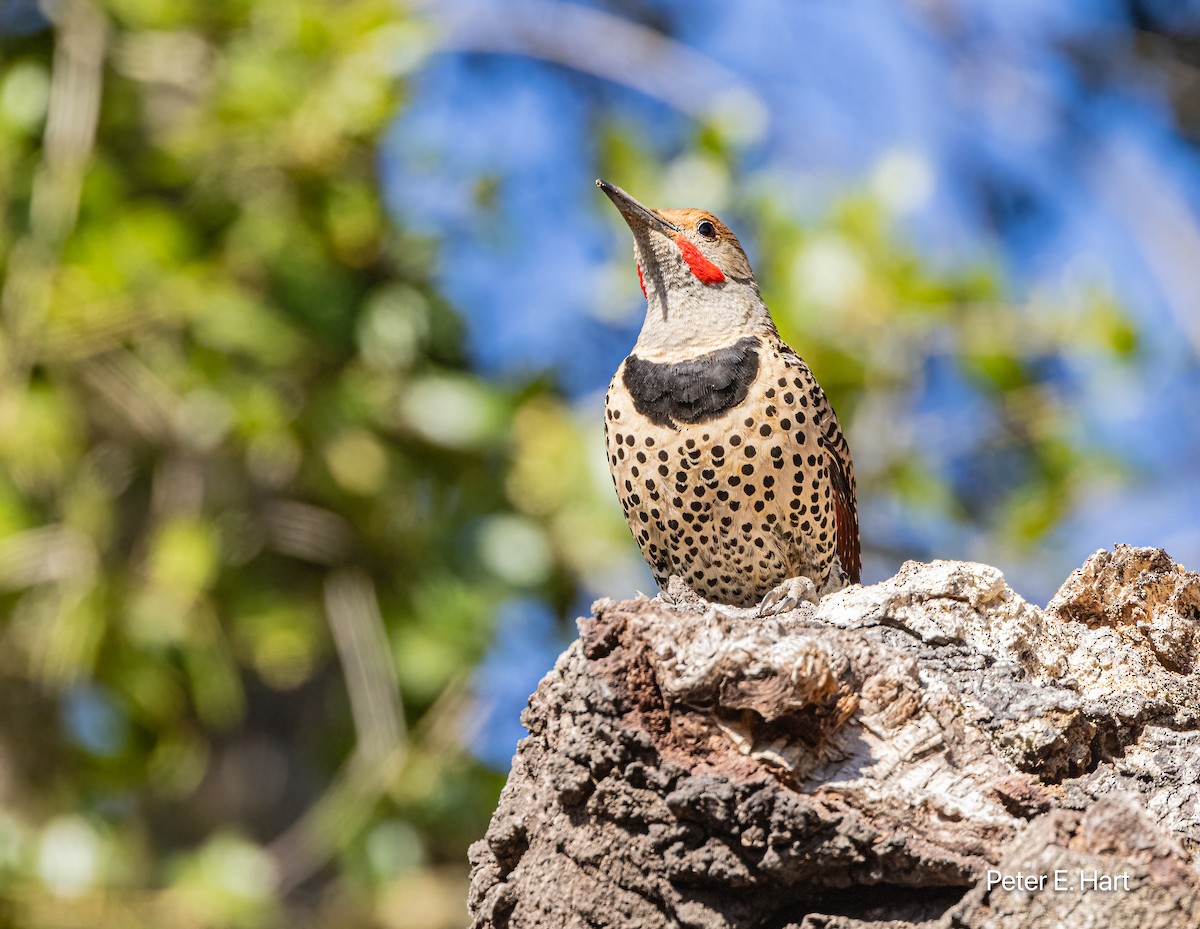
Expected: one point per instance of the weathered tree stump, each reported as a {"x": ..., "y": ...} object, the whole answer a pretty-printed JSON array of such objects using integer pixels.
[{"x": 929, "y": 751}]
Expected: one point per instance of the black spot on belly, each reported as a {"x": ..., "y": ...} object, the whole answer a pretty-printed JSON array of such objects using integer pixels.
[{"x": 695, "y": 390}]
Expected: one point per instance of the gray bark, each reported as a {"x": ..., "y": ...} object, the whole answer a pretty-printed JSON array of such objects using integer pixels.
[{"x": 877, "y": 760}]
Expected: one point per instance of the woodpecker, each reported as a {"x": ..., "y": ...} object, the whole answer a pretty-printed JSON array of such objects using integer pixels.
[{"x": 729, "y": 462}]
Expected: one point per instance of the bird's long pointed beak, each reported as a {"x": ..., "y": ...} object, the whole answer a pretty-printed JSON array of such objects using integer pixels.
[{"x": 635, "y": 212}]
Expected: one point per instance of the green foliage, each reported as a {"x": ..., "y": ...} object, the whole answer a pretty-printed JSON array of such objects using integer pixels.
[{"x": 243, "y": 476}]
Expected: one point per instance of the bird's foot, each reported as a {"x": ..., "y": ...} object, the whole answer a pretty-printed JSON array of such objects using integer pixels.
[{"x": 787, "y": 596}]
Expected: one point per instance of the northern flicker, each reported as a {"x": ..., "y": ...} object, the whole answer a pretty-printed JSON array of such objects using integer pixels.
[{"x": 726, "y": 454}]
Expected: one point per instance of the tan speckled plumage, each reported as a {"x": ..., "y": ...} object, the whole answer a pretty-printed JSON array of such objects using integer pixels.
[
  {"x": 739, "y": 504},
  {"x": 753, "y": 489}
]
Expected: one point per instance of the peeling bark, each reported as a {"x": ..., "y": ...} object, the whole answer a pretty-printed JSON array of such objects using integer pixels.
[{"x": 887, "y": 758}]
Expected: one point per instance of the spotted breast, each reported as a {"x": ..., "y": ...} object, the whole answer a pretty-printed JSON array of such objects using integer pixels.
[{"x": 733, "y": 472}]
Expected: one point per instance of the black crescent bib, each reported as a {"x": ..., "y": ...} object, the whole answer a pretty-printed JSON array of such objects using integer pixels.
[{"x": 695, "y": 390}]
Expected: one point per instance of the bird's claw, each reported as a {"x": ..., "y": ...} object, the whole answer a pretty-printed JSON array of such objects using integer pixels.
[{"x": 787, "y": 596}]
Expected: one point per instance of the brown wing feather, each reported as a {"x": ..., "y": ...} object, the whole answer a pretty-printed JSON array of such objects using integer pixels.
[
  {"x": 845, "y": 510},
  {"x": 841, "y": 469}
]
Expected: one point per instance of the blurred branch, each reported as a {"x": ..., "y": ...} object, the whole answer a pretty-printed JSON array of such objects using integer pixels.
[
  {"x": 72, "y": 114},
  {"x": 331, "y": 822},
  {"x": 452, "y": 724},
  {"x": 375, "y": 705},
  {"x": 83, "y": 337},
  {"x": 362, "y": 645},
  {"x": 307, "y": 532},
  {"x": 144, "y": 402},
  {"x": 44, "y": 555},
  {"x": 596, "y": 43},
  {"x": 1165, "y": 230}
]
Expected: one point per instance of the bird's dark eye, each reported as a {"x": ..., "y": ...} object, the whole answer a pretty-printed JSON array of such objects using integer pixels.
[{"x": 706, "y": 229}]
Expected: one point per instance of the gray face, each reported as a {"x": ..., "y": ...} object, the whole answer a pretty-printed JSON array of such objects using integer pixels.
[{"x": 700, "y": 291}]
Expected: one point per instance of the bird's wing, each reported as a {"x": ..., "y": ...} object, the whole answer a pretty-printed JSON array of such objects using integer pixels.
[
  {"x": 841, "y": 473},
  {"x": 845, "y": 510}
]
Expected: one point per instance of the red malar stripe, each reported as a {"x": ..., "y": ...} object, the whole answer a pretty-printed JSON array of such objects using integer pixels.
[{"x": 705, "y": 270}]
